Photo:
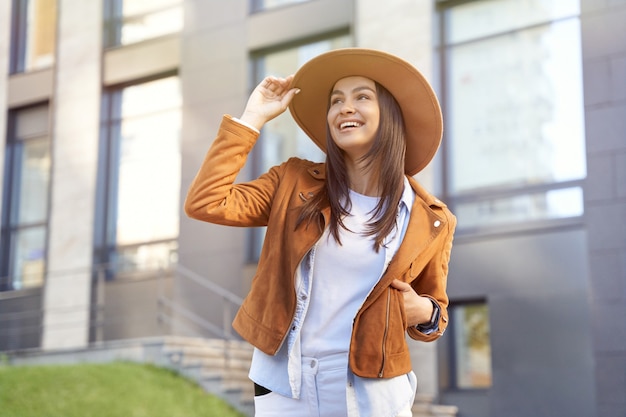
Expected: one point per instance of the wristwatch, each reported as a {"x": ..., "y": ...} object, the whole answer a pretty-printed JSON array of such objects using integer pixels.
[{"x": 434, "y": 319}]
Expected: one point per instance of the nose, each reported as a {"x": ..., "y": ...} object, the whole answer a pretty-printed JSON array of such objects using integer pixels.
[{"x": 347, "y": 107}]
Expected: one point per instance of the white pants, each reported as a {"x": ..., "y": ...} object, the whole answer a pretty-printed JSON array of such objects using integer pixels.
[{"x": 323, "y": 392}]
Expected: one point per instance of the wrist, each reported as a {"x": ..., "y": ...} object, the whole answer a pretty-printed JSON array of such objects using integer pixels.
[
  {"x": 433, "y": 320},
  {"x": 253, "y": 120}
]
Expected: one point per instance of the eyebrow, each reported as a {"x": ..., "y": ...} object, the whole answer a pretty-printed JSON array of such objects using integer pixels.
[{"x": 354, "y": 90}]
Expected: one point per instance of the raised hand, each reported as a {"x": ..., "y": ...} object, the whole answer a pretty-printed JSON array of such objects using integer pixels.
[{"x": 269, "y": 99}]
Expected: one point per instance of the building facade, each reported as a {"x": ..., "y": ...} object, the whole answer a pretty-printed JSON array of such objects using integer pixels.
[{"x": 107, "y": 108}]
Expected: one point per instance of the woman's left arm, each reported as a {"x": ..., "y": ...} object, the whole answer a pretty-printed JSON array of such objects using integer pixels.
[{"x": 430, "y": 287}]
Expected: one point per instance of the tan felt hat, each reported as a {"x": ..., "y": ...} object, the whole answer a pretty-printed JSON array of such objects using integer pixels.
[{"x": 419, "y": 104}]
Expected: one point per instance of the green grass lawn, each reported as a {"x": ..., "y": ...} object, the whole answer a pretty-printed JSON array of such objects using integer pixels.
[{"x": 103, "y": 390}]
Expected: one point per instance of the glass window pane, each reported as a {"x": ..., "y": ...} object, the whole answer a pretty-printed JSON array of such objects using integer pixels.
[
  {"x": 29, "y": 258},
  {"x": 554, "y": 204},
  {"x": 34, "y": 179},
  {"x": 281, "y": 137},
  {"x": 25, "y": 203},
  {"x": 269, "y": 4},
  {"x": 135, "y": 7},
  {"x": 163, "y": 22},
  {"x": 131, "y": 21},
  {"x": 472, "y": 347},
  {"x": 148, "y": 257},
  {"x": 149, "y": 179},
  {"x": 488, "y": 17},
  {"x": 150, "y": 97},
  {"x": 515, "y": 111},
  {"x": 40, "y": 34}
]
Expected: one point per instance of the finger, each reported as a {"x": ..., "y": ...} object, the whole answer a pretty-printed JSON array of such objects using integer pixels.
[
  {"x": 289, "y": 96},
  {"x": 399, "y": 285}
]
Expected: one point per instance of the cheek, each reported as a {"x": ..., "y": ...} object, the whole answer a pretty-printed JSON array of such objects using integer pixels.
[{"x": 330, "y": 116}]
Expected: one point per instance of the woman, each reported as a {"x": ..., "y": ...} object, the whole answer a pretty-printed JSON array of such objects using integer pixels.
[{"x": 356, "y": 251}]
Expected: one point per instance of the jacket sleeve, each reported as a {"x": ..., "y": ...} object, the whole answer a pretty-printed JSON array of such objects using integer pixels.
[
  {"x": 213, "y": 195},
  {"x": 432, "y": 283}
]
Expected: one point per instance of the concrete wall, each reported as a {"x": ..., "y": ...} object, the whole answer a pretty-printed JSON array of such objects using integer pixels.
[
  {"x": 536, "y": 287},
  {"x": 214, "y": 69},
  {"x": 604, "y": 66},
  {"x": 5, "y": 41},
  {"x": 76, "y": 128}
]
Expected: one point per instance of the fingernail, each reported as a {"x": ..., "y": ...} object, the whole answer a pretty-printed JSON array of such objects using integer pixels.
[{"x": 297, "y": 91}]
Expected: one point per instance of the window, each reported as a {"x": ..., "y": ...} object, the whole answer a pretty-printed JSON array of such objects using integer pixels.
[
  {"x": 259, "y": 5},
  {"x": 130, "y": 21},
  {"x": 471, "y": 347},
  {"x": 514, "y": 111},
  {"x": 33, "y": 35},
  {"x": 139, "y": 179},
  {"x": 282, "y": 138},
  {"x": 25, "y": 200}
]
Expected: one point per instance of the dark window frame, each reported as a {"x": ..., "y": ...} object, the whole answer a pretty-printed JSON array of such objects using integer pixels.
[
  {"x": 491, "y": 192},
  {"x": 105, "y": 247},
  {"x": 10, "y": 205},
  {"x": 19, "y": 31},
  {"x": 113, "y": 22},
  {"x": 452, "y": 384}
]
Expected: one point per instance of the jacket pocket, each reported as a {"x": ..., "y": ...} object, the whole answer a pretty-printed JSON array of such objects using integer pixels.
[{"x": 397, "y": 324}]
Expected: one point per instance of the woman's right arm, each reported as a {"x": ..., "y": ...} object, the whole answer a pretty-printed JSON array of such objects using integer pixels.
[{"x": 213, "y": 196}]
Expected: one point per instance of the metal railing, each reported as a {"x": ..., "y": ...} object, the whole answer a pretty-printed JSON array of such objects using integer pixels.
[
  {"x": 229, "y": 302},
  {"x": 23, "y": 312}
]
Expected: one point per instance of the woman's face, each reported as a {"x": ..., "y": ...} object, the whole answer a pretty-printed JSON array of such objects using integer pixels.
[{"x": 354, "y": 115}]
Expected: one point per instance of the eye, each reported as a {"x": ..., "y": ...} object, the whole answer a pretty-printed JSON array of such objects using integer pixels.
[
  {"x": 335, "y": 100},
  {"x": 363, "y": 97}
]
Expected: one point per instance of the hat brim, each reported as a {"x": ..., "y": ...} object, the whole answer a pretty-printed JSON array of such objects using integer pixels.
[{"x": 417, "y": 100}]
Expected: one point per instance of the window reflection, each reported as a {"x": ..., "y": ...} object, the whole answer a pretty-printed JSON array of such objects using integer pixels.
[
  {"x": 131, "y": 21},
  {"x": 144, "y": 177},
  {"x": 479, "y": 19},
  {"x": 514, "y": 111},
  {"x": 258, "y": 5},
  {"x": 25, "y": 200},
  {"x": 546, "y": 205},
  {"x": 29, "y": 258},
  {"x": 472, "y": 347},
  {"x": 35, "y": 34}
]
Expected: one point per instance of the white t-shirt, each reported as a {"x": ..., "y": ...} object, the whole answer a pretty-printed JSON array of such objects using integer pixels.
[{"x": 342, "y": 277}]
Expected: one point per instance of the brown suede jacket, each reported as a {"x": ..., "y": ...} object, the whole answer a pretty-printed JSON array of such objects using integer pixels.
[{"x": 378, "y": 346}]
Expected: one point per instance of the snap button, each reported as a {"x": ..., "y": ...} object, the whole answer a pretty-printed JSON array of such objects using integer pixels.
[
  {"x": 316, "y": 171},
  {"x": 312, "y": 364},
  {"x": 437, "y": 223}
]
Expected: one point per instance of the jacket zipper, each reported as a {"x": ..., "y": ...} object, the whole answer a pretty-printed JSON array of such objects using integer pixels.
[{"x": 382, "y": 367}]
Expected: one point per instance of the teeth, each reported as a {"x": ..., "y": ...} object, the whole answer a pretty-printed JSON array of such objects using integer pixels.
[{"x": 349, "y": 124}]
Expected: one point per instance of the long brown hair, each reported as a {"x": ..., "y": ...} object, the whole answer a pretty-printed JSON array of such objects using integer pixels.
[{"x": 386, "y": 157}]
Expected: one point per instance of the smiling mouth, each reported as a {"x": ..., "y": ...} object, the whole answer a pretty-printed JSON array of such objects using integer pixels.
[{"x": 349, "y": 125}]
